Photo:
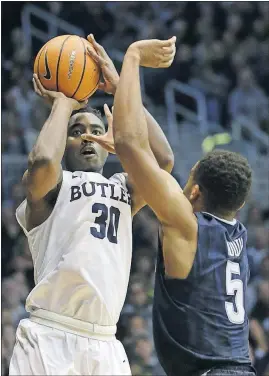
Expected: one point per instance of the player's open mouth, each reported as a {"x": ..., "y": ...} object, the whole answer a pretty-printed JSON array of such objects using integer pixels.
[{"x": 88, "y": 151}]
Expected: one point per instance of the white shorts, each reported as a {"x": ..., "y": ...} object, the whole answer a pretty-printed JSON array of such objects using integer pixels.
[{"x": 65, "y": 347}]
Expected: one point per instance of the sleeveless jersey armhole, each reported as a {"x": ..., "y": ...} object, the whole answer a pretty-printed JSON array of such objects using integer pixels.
[{"x": 120, "y": 178}]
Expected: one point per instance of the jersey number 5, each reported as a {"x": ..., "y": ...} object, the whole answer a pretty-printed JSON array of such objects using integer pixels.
[
  {"x": 109, "y": 230},
  {"x": 234, "y": 287}
]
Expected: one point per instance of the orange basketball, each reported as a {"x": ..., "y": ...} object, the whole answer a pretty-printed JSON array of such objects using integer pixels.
[{"x": 64, "y": 65}]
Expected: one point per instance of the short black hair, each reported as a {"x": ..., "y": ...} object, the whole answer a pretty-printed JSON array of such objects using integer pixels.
[
  {"x": 224, "y": 178},
  {"x": 89, "y": 110}
]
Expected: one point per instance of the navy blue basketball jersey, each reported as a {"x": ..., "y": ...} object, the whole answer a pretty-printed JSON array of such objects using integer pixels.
[{"x": 200, "y": 322}]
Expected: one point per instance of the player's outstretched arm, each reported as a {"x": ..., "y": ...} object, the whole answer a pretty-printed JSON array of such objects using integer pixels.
[
  {"x": 158, "y": 188},
  {"x": 157, "y": 139},
  {"x": 44, "y": 161}
]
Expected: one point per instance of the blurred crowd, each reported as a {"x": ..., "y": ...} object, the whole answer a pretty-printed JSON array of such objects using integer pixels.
[{"x": 223, "y": 51}]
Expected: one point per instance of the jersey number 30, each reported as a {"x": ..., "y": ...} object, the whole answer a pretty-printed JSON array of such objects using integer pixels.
[
  {"x": 234, "y": 287},
  {"x": 104, "y": 227}
]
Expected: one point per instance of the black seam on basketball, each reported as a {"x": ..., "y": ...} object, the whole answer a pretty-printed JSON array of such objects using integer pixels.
[
  {"x": 41, "y": 52},
  {"x": 58, "y": 62},
  {"x": 92, "y": 91},
  {"x": 82, "y": 74}
]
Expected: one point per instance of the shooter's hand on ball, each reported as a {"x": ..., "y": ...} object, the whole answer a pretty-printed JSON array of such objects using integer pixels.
[
  {"x": 110, "y": 74},
  {"x": 50, "y": 96},
  {"x": 154, "y": 53},
  {"x": 106, "y": 140}
]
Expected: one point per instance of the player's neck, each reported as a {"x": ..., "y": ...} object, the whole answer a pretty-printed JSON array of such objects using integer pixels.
[
  {"x": 224, "y": 218},
  {"x": 97, "y": 172}
]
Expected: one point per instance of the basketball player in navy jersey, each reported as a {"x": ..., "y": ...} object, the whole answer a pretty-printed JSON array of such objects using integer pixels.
[
  {"x": 199, "y": 319},
  {"x": 79, "y": 229}
]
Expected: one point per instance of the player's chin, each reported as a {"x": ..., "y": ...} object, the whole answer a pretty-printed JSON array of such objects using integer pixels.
[{"x": 91, "y": 164}]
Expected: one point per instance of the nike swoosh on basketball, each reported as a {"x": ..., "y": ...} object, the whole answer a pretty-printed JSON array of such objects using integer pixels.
[{"x": 47, "y": 76}]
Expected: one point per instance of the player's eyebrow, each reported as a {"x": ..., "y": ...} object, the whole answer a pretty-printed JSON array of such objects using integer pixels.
[
  {"x": 98, "y": 126},
  {"x": 77, "y": 124}
]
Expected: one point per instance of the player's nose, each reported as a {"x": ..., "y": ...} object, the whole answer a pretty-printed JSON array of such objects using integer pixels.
[
  {"x": 87, "y": 132},
  {"x": 83, "y": 141}
]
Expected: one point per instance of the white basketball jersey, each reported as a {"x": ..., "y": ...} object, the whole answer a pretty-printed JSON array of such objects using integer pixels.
[{"x": 82, "y": 252}]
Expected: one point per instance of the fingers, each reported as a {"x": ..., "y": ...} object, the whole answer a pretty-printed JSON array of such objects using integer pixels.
[
  {"x": 169, "y": 50},
  {"x": 89, "y": 137},
  {"x": 169, "y": 42},
  {"x": 83, "y": 103},
  {"x": 166, "y": 64},
  {"x": 109, "y": 117},
  {"x": 92, "y": 40},
  {"x": 91, "y": 51},
  {"x": 39, "y": 86},
  {"x": 100, "y": 49},
  {"x": 108, "y": 113},
  {"x": 166, "y": 58},
  {"x": 97, "y": 58},
  {"x": 102, "y": 86},
  {"x": 168, "y": 53},
  {"x": 37, "y": 91}
]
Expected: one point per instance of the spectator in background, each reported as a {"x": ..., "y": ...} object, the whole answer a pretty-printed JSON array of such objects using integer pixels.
[
  {"x": 21, "y": 99},
  {"x": 12, "y": 135},
  {"x": 138, "y": 302},
  {"x": 248, "y": 99},
  {"x": 259, "y": 328},
  {"x": 145, "y": 359},
  {"x": 21, "y": 54}
]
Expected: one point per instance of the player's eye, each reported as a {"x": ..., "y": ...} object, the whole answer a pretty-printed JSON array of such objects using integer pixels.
[
  {"x": 96, "y": 132},
  {"x": 76, "y": 133}
]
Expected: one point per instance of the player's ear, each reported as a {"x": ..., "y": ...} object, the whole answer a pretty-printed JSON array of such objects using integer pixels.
[
  {"x": 195, "y": 193},
  {"x": 241, "y": 206}
]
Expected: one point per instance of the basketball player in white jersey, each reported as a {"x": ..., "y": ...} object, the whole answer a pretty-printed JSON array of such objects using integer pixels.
[{"x": 79, "y": 229}]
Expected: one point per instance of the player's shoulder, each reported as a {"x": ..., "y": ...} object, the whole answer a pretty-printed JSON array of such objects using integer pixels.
[{"x": 121, "y": 179}]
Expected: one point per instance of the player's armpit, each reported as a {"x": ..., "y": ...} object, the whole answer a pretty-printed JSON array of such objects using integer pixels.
[
  {"x": 158, "y": 188},
  {"x": 137, "y": 200}
]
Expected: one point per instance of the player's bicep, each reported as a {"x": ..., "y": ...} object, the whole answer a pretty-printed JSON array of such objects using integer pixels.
[
  {"x": 159, "y": 190},
  {"x": 37, "y": 211},
  {"x": 40, "y": 179}
]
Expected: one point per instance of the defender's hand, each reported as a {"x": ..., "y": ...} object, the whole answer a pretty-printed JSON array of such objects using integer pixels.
[
  {"x": 106, "y": 140},
  {"x": 154, "y": 53},
  {"x": 110, "y": 74},
  {"x": 50, "y": 96}
]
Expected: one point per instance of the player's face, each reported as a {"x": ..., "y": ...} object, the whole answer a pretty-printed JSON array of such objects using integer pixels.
[
  {"x": 192, "y": 191},
  {"x": 81, "y": 155}
]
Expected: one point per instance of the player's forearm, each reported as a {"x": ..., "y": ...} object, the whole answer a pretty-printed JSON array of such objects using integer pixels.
[
  {"x": 50, "y": 144},
  {"x": 159, "y": 144},
  {"x": 129, "y": 125},
  {"x": 158, "y": 141}
]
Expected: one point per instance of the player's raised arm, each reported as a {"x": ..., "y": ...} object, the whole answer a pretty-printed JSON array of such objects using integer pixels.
[
  {"x": 159, "y": 189},
  {"x": 157, "y": 139},
  {"x": 44, "y": 161}
]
